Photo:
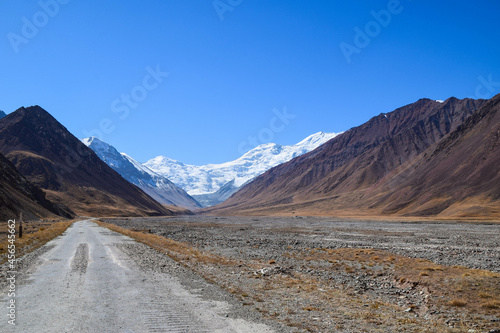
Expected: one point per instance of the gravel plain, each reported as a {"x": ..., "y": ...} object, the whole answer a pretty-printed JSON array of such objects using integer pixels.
[{"x": 333, "y": 275}]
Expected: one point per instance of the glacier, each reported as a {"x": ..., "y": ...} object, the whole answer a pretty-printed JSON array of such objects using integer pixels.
[{"x": 213, "y": 183}]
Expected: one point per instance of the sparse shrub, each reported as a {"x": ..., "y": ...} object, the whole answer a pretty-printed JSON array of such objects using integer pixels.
[
  {"x": 458, "y": 303},
  {"x": 310, "y": 308},
  {"x": 491, "y": 305},
  {"x": 484, "y": 295}
]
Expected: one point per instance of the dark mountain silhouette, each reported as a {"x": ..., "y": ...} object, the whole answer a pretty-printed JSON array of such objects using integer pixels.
[
  {"x": 366, "y": 170},
  {"x": 2, "y": 114},
  {"x": 18, "y": 195},
  {"x": 48, "y": 155}
]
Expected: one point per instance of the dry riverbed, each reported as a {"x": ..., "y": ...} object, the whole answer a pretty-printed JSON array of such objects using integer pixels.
[{"x": 328, "y": 275}]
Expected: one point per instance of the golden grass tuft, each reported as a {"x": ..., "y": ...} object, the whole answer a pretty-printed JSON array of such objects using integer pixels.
[
  {"x": 458, "y": 303},
  {"x": 491, "y": 305},
  {"x": 311, "y": 308},
  {"x": 484, "y": 295},
  {"x": 349, "y": 269}
]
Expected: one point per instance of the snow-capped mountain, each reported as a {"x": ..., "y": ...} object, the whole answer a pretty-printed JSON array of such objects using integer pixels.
[
  {"x": 203, "y": 182},
  {"x": 157, "y": 186}
]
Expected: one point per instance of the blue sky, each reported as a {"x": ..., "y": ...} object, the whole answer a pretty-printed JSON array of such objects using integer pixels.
[{"x": 194, "y": 80}]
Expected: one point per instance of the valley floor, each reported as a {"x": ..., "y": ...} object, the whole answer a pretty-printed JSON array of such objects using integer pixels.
[{"x": 332, "y": 275}]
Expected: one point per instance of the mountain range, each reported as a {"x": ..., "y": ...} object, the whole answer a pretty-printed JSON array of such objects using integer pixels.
[
  {"x": 69, "y": 173},
  {"x": 158, "y": 187},
  {"x": 436, "y": 159},
  {"x": 213, "y": 183},
  {"x": 428, "y": 158}
]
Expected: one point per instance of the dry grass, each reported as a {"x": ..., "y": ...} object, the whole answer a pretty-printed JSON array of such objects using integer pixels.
[
  {"x": 458, "y": 302},
  {"x": 454, "y": 283},
  {"x": 35, "y": 234},
  {"x": 176, "y": 250},
  {"x": 491, "y": 305}
]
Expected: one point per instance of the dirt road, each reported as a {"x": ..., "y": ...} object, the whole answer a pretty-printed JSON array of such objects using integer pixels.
[{"x": 93, "y": 280}]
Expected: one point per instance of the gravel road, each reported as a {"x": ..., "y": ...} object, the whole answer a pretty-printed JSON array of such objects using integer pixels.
[{"x": 93, "y": 280}]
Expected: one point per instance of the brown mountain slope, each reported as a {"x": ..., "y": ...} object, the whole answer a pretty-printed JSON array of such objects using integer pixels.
[
  {"x": 18, "y": 195},
  {"x": 459, "y": 177},
  {"x": 342, "y": 176},
  {"x": 48, "y": 155}
]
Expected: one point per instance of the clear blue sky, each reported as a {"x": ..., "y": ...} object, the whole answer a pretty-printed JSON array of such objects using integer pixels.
[{"x": 227, "y": 76}]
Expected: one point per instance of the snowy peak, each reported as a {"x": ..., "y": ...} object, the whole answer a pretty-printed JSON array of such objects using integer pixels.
[
  {"x": 208, "y": 179},
  {"x": 96, "y": 144},
  {"x": 212, "y": 183},
  {"x": 157, "y": 186},
  {"x": 313, "y": 140},
  {"x": 105, "y": 151},
  {"x": 159, "y": 160}
]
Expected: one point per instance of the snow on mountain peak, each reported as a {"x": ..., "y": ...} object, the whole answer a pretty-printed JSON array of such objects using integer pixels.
[
  {"x": 95, "y": 142},
  {"x": 105, "y": 151},
  {"x": 206, "y": 179},
  {"x": 157, "y": 186},
  {"x": 214, "y": 182}
]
